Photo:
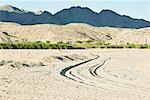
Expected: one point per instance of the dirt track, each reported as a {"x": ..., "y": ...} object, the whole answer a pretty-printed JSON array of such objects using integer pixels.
[{"x": 94, "y": 74}]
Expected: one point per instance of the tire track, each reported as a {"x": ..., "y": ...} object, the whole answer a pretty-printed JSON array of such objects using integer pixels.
[
  {"x": 96, "y": 76},
  {"x": 63, "y": 72},
  {"x": 75, "y": 78}
]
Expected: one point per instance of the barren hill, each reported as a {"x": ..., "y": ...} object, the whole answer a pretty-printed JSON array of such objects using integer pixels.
[{"x": 71, "y": 32}]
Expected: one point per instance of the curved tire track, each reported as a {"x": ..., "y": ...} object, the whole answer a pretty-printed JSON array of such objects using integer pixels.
[{"x": 99, "y": 79}]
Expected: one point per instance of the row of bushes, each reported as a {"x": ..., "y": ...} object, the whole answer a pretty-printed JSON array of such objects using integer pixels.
[
  {"x": 141, "y": 46},
  {"x": 103, "y": 44},
  {"x": 61, "y": 45},
  {"x": 34, "y": 45}
]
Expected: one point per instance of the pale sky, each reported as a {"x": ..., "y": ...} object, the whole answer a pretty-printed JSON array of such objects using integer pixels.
[{"x": 133, "y": 8}]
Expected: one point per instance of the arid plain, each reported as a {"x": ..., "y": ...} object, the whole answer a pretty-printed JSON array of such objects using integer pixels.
[{"x": 90, "y": 74}]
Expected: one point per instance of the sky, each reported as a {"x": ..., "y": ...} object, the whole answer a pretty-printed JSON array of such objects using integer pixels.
[{"x": 134, "y": 8}]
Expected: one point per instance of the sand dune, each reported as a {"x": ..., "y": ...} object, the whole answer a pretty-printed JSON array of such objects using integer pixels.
[
  {"x": 72, "y": 32},
  {"x": 92, "y": 74}
]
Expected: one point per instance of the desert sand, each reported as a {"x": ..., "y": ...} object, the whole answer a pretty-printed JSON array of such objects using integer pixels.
[
  {"x": 10, "y": 32},
  {"x": 91, "y": 74}
]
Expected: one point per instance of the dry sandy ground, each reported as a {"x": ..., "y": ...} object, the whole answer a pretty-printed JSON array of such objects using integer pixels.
[
  {"x": 94, "y": 74},
  {"x": 72, "y": 32}
]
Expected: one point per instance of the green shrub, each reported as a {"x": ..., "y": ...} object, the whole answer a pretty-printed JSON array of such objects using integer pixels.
[
  {"x": 88, "y": 41},
  {"x": 79, "y": 42},
  {"x": 61, "y": 45},
  {"x": 102, "y": 46},
  {"x": 144, "y": 46},
  {"x": 120, "y": 46},
  {"x": 130, "y": 45},
  {"x": 48, "y": 42}
]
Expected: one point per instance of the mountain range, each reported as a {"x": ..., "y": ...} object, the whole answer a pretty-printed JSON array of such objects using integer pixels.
[{"x": 77, "y": 14}]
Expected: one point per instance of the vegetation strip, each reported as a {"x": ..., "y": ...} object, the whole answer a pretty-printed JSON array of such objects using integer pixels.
[{"x": 68, "y": 45}]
